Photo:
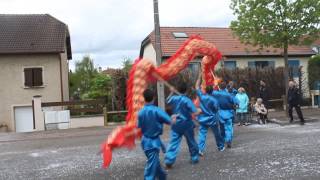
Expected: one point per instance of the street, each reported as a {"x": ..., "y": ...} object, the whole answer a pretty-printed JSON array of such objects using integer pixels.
[{"x": 259, "y": 152}]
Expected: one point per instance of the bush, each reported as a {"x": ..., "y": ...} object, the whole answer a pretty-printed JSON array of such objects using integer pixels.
[
  {"x": 117, "y": 118},
  {"x": 314, "y": 71}
]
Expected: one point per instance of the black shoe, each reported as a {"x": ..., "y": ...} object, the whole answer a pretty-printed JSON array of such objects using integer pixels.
[
  {"x": 201, "y": 153},
  {"x": 302, "y": 123},
  {"x": 291, "y": 120},
  {"x": 168, "y": 166},
  {"x": 229, "y": 145}
]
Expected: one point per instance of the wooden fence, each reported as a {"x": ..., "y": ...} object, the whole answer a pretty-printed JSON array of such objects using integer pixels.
[
  {"x": 98, "y": 106},
  {"x": 92, "y": 106},
  {"x": 108, "y": 113},
  {"x": 86, "y": 106}
]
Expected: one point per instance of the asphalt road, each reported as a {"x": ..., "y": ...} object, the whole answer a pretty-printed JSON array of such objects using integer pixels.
[{"x": 259, "y": 152}]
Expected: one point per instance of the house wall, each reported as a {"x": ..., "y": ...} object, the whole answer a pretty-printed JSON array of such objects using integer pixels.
[
  {"x": 149, "y": 53},
  {"x": 12, "y": 90}
]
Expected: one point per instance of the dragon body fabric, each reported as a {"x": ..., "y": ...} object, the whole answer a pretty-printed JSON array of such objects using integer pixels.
[{"x": 145, "y": 72}]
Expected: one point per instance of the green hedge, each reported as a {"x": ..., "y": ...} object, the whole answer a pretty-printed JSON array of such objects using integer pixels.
[
  {"x": 313, "y": 71},
  {"x": 117, "y": 118}
]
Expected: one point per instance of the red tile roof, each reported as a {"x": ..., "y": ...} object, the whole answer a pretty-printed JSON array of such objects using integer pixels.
[
  {"x": 222, "y": 38},
  {"x": 33, "y": 33}
]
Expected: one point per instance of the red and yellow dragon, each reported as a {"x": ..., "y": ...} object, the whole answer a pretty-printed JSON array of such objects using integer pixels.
[{"x": 145, "y": 72}]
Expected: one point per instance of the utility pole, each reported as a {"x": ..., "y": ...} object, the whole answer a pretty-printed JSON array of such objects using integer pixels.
[{"x": 160, "y": 86}]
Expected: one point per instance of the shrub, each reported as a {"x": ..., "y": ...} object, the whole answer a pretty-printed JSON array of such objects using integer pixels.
[{"x": 313, "y": 71}]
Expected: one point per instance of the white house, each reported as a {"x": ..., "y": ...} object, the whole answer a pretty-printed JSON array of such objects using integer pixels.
[
  {"x": 235, "y": 53},
  {"x": 34, "y": 54}
]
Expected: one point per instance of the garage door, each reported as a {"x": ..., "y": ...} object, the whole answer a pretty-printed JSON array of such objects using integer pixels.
[{"x": 23, "y": 119}]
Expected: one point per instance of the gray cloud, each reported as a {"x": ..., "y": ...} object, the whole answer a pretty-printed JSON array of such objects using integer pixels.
[{"x": 110, "y": 30}]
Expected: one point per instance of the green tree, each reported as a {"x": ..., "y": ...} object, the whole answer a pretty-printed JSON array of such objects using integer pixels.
[
  {"x": 313, "y": 71},
  {"x": 276, "y": 23},
  {"x": 126, "y": 65},
  {"x": 81, "y": 79},
  {"x": 74, "y": 84},
  {"x": 100, "y": 87}
]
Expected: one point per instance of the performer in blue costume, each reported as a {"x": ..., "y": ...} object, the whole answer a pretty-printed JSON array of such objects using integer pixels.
[
  {"x": 208, "y": 118},
  {"x": 150, "y": 121},
  {"x": 227, "y": 104},
  {"x": 230, "y": 88},
  {"x": 185, "y": 110}
]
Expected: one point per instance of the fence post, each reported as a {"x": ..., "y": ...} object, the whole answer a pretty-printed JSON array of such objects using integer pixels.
[
  {"x": 39, "y": 124},
  {"x": 105, "y": 115},
  {"x": 300, "y": 80},
  {"x": 283, "y": 97}
]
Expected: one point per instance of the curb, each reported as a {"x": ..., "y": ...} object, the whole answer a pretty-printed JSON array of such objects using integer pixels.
[{"x": 285, "y": 123}]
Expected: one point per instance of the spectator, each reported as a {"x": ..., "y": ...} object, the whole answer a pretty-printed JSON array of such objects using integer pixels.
[
  {"x": 294, "y": 101},
  {"x": 261, "y": 110},
  {"x": 263, "y": 93},
  {"x": 242, "y": 109},
  {"x": 230, "y": 88}
]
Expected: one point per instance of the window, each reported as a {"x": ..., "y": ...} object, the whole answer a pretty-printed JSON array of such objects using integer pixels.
[
  {"x": 294, "y": 68},
  {"x": 33, "y": 77},
  {"x": 230, "y": 65},
  {"x": 180, "y": 35},
  {"x": 261, "y": 64},
  {"x": 252, "y": 64}
]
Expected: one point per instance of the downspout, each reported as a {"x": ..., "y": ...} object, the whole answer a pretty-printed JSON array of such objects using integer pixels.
[{"x": 61, "y": 83}]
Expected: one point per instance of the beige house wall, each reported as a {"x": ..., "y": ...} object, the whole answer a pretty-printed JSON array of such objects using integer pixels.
[
  {"x": 243, "y": 62},
  {"x": 149, "y": 53},
  {"x": 12, "y": 90}
]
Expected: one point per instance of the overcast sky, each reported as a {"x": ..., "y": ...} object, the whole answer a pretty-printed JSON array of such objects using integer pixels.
[{"x": 109, "y": 30}]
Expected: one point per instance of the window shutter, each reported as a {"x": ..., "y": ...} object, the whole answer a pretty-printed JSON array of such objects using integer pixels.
[
  {"x": 37, "y": 77},
  {"x": 28, "y": 80},
  {"x": 271, "y": 64},
  {"x": 252, "y": 64}
]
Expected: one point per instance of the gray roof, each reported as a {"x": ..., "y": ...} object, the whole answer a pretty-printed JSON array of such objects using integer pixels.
[{"x": 34, "y": 33}]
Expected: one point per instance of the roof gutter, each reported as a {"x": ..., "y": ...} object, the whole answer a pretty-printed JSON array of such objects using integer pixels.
[
  {"x": 253, "y": 56},
  {"x": 144, "y": 43}
]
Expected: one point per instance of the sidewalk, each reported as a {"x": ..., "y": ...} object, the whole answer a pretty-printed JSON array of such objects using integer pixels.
[
  {"x": 52, "y": 134},
  {"x": 279, "y": 117}
]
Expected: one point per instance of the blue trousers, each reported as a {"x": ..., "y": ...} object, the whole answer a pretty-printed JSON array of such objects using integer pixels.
[
  {"x": 174, "y": 146},
  {"x": 226, "y": 128},
  {"x": 153, "y": 168},
  {"x": 202, "y": 136}
]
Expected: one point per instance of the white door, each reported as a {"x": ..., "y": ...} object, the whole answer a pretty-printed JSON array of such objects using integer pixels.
[{"x": 23, "y": 119}]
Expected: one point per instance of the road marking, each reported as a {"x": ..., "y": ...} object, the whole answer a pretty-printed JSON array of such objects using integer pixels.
[{"x": 34, "y": 154}]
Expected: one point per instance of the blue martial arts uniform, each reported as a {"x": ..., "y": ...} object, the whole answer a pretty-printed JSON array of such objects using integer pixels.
[
  {"x": 226, "y": 113},
  {"x": 232, "y": 91},
  {"x": 183, "y": 107},
  {"x": 150, "y": 121},
  {"x": 208, "y": 119}
]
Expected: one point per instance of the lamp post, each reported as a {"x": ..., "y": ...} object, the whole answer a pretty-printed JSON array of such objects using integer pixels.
[{"x": 160, "y": 86}]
